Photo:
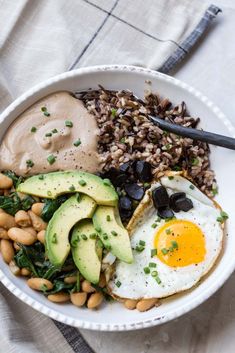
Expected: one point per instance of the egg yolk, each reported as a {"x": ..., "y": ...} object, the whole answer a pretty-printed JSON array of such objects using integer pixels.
[{"x": 180, "y": 243}]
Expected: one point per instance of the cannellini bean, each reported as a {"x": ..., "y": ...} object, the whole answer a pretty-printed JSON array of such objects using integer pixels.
[
  {"x": 37, "y": 222},
  {"x": 7, "y": 250},
  {"x": 22, "y": 219},
  {"x": 14, "y": 268},
  {"x": 6, "y": 221},
  {"x": 21, "y": 236},
  {"x": 41, "y": 236},
  {"x": 102, "y": 281},
  {"x": 95, "y": 300},
  {"x": 25, "y": 272},
  {"x": 37, "y": 208},
  {"x": 130, "y": 304},
  {"x": 31, "y": 230},
  {"x": 3, "y": 234},
  {"x": 5, "y": 182},
  {"x": 16, "y": 246},
  {"x": 70, "y": 279},
  {"x": 146, "y": 304},
  {"x": 59, "y": 297},
  {"x": 87, "y": 287},
  {"x": 40, "y": 284},
  {"x": 79, "y": 298}
]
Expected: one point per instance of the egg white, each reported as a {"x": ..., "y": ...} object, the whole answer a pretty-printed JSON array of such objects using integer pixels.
[{"x": 135, "y": 284}]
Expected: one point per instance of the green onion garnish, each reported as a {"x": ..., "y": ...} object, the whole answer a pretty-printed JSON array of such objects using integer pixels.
[
  {"x": 54, "y": 238},
  {"x": 82, "y": 182},
  {"x": 33, "y": 129},
  {"x": 45, "y": 112},
  {"x": 41, "y": 177},
  {"x": 51, "y": 159},
  {"x": 29, "y": 163},
  {"x": 92, "y": 236},
  {"x": 164, "y": 251},
  {"x": 153, "y": 252},
  {"x": 191, "y": 186},
  {"x": 152, "y": 264},
  {"x": 54, "y": 131},
  {"x": 114, "y": 233},
  {"x": 170, "y": 177},
  {"x": 108, "y": 218},
  {"x": 48, "y": 134},
  {"x": 72, "y": 188},
  {"x": 77, "y": 143},
  {"x": 118, "y": 284},
  {"x": 107, "y": 182},
  {"x": 168, "y": 231},
  {"x": 105, "y": 236},
  {"x": 158, "y": 280},
  {"x": 195, "y": 161},
  {"x": 68, "y": 123},
  {"x": 83, "y": 236},
  {"x": 154, "y": 274},
  {"x": 154, "y": 225},
  {"x": 146, "y": 270},
  {"x": 142, "y": 242}
]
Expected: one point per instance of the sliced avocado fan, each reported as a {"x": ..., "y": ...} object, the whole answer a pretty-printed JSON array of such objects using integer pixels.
[
  {"x": 57, "y": 234},
  {"x": 112, "y": 233},
  {"x": 52, "y": 185},
  {"x": 85, "y": 250}
]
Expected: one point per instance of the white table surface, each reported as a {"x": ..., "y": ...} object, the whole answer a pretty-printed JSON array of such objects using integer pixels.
[{"x": 210, "y": 328}]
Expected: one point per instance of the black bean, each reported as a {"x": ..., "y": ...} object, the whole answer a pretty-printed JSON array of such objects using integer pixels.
[
  {"x": 184, "y": 204},
  {"x": 134, "y": 191},
  {"x": 117, "y": 178},
  {"x": 143, "y": 171},
  {"x": 160, "y": 197},
  {"x": 165, "y": 212},
  {"x": 173, "y": 198},
  {"x": 125, "y": 203},
  {"x": 126, "y": 167}
]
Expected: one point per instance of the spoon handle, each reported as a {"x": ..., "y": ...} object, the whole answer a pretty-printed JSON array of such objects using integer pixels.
[{"x": 205, "y": 136}]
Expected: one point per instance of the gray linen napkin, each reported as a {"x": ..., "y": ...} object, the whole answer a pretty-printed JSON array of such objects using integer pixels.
[{"x": 42, "y": 38}]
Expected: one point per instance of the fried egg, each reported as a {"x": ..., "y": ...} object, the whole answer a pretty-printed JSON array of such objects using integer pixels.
[{"x": 170, "y": 256}]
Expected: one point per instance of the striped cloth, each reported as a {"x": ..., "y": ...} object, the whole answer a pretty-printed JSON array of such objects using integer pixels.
[{"x": 42, "y": 38}]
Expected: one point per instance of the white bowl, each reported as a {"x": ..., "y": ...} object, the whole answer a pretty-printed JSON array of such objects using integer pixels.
[{"x": 113, "y": 316}]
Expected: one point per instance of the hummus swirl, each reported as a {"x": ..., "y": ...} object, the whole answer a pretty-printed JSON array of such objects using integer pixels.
[{"x": 56, "y": 133}]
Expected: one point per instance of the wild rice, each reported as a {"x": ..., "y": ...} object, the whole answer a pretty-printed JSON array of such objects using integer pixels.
[{"x": 127, "y": 134}]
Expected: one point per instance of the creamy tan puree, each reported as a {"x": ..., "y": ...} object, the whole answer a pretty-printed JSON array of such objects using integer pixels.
[{"x": 56, "y": 133}]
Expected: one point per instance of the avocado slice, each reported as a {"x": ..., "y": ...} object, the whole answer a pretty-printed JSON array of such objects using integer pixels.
[
  {"x": 52, "y": 185},
  {"x": 57, "y": 233},
  {"x": 114, "y": 236},
  {"x": 86, "y": 253}
]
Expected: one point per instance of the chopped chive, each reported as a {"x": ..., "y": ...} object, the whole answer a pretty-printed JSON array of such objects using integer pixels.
[
  {"x": 92, "y": 236},
  {"x": 108, "y": 218},
  {"x": 114, "y": 233},
  {"x": 158, "y": 280},
  {"x": 176, "y": 168},
  {"x": 33, "y": 129},
  {"x": 48, "y": 134},
  {"x": 83, "y": 236},
  {"x": 191, "y": 186},
  {"x": 41, "y": 177},
  {"x": 51, "y": 159},
  {"x": 29, "y": 163},
  {"x": 153, "y": 252},
  {"x": 142, "y": 242},
  {"x": 224, "y": 215},
  {"x": 164, "y": 251},
  {"x": 45, "y": 112},
  {"x": 107, "y": 182},
  {"x": 154, "y": 225},
  {"x": 174, "y": 244},
  {"x": 49, "y": 193},
  {"x": 158, "y": 219},
  {"x": 72, "y": 188},
  {"x": 139, "y": 248},
  {"x": 108, "y": 247},
  {"x": 98, "y": 229},
  {"x": 152, "y": 264},
  {"x": 75, "y": 241},
  {"x": 113, "y": 112},
  {"x": 54, "y": 131},
  {"x": 118, "y": 284},
  {"x": 77, "y": 143},
  {"x": 168, "y": 231},
  {"x": 54, "y": 238},
  {"x": 122, "y": 140},
  {"x": 154, "y": 274},
  {"x": 146, "y": 270},
  {"x": 82, "y": 182},
  {"x": 171, "y": 249},
  {"x": 195, "y": 161},
  {"x": 146, "y": 185},
  {"x": 105, "y": 236},
  {"x": 68, "y": 123},
  {"x": 170, "y": 177},
  {"x": 78, "y": 197}
]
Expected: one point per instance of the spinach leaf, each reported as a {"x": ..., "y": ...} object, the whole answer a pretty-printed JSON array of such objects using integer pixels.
[
  {"x": 11, "y": 203},
  {"x": 22, "y": 259},
  {"x": 16, "y": 180},
  {"x": 27, "y": 202},
  {"x": 51, "y": 206},
  {"x": 60, "y": 286}
]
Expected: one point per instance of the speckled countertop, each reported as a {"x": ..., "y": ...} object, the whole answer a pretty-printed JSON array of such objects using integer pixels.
[{"x": 210, "y": 328}]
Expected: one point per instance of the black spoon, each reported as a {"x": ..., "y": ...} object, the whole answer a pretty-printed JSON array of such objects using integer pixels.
[{"x": 205, "y": 136}]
